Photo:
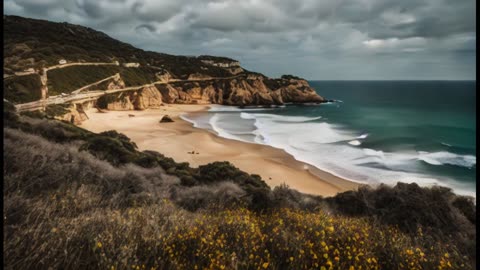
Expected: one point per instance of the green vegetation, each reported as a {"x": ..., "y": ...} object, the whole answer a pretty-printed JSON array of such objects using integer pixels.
[
  {"x": 22, "y": 89},
  {"x": 138, "y": 76},
  {"x": 51, "y": 111},
  {"x": 56, "y": 110},
  {"x": 33, "y": 114},
  {"x": 68, "y": 79},
  {"x": 274, "y": 84},
  {"x": 290, "y": 77},
  {"x": 79, "y": 200},
  {"x": 218, "y": 59}
]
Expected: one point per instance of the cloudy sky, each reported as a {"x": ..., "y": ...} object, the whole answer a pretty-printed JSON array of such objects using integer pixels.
[{"x": 315, "y": 39}]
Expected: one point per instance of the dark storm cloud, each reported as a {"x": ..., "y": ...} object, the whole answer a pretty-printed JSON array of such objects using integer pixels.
[{"x": 324, "y": 39}]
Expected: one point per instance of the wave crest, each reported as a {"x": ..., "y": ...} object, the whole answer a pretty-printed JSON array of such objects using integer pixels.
[{"x": 443, "y": 158}]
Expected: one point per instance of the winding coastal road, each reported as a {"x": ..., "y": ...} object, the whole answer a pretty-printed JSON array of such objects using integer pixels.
[{"x": 79, "y": 96}]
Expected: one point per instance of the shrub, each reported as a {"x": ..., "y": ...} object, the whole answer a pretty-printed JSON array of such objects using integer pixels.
[
  {"x": 33, "y": 114},
  {"x": 22, "y": 89},
  {"x": 110, "y": 149},
  {"x": 56, "y": 110}
]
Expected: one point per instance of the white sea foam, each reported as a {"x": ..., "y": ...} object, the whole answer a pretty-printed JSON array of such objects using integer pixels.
[
  {"x": 184, "y": 117},
  {"x": 223, "y": 132},
  {"x": 278, "y": 118},
  {"x": 363, "y": 136},
  {"x": 325, "y": 146},
  {"x": 374, "y": 153},
  {"x": 355, "y": 142},
  {"x": 220, "y": 108},
  {"x": 443, "y": 157}
]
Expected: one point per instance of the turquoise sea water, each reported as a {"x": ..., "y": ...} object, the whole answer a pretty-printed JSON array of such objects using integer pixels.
[{"x": 378, "y": 131}]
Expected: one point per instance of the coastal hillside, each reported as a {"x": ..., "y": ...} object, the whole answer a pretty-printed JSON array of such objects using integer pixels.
[
  {"x": 46, "y": 60},
  {"x": 74, "y": 199}
]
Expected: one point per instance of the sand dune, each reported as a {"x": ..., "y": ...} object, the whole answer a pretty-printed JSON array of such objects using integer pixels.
[{"x": 176, "y": 139}]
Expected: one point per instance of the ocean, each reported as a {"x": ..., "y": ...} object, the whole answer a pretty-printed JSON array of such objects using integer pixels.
[{"x": 376, "y": 132}]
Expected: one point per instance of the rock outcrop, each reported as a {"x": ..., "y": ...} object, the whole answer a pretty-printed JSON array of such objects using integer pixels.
[
  {"x": 166, "y": 119},
  {"x": 240, "y": 91},
  {"x": 116, "y": 83},
  {"x": 76, "y": 113},
  {"x": 148, "y": 97},
  {"x": 141, "y": 99}
]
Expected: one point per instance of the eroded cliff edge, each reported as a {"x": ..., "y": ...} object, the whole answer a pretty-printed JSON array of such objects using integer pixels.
[{"x": 246, "y": 90}]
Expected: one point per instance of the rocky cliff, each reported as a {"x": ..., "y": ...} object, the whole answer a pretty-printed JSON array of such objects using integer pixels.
[{"x": 239, "y": 91}]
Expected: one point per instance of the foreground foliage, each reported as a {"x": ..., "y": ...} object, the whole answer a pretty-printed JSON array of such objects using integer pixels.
[{"x": 78, "y": 200}]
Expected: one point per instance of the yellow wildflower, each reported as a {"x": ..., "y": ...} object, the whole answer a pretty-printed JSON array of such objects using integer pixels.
[{"x": 265, "y": 265}]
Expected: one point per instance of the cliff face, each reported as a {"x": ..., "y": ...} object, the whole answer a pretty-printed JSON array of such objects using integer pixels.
[
  {"x": 144, "y": 98},
  {"x": 240, "y": 91}
]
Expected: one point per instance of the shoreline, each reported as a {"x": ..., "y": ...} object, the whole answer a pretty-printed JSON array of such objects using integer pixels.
[{"x": 175, "y": 139}]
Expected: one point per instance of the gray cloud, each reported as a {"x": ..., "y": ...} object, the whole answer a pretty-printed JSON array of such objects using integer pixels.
[
  {"x": 147, "y": 27},
  {"x": 317, "y": 39}
]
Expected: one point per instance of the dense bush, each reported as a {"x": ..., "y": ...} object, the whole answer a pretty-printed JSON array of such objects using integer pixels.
[
  {"x": 56, "y": 110},
  {"x": 402, "y": 204},
  {"x": 22, "y": 89},
  {"x": 33, "y": 114},
  {"x": 111, "y": 149}
]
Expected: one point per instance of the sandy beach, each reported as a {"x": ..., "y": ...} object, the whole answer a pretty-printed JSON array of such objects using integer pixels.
[{"x": 176, "y": 139}]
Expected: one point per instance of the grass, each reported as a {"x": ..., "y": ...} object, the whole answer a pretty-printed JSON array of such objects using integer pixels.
[
  {"x": 66, "y": 80},
  {"x": 56, "y": 110},
  {"x": 138, "y": 76},
  {"x": 79, "y": 200},
  {"x": 22, "y": 89}
]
